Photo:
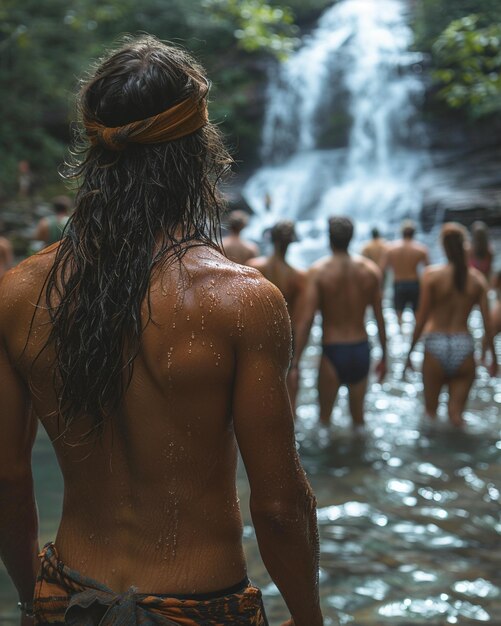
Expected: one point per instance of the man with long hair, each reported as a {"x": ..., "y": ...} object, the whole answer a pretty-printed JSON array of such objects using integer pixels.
[{"x": 104, "y": 339}]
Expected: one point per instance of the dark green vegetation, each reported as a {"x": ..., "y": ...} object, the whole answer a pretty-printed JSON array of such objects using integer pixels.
[
  {"x": 46, "y": 46},
  {"x": 463, "y": 38}
]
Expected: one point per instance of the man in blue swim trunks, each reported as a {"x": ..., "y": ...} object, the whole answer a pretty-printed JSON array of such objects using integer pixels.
[
  {"x": 341, "y": 287},
  {"x": 405, "y": 258}
]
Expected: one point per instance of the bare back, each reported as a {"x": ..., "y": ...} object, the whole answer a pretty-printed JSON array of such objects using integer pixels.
[
  {"x": 238, "y": 250},
  {"x": 448, "y": 308},
  {"x": 289, "y": 280},
  {"x": 405, "y": 257},
  {"x": 346, "y": 286},
  {"x": 159, "y": 487},
  {"x": 376, "y": 250}
]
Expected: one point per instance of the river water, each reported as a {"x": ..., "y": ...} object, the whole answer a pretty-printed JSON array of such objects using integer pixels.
[{"x": 409, "y": 512}]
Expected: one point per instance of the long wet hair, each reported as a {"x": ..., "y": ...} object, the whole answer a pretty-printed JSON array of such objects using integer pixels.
[
  {"x": 454, "y": 242},
  {"x": 134, "y": 210},
  {"x": 480, "y": 240}
]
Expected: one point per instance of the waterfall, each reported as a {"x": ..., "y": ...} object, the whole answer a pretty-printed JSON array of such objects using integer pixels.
[{"x": 342, "y": 133}]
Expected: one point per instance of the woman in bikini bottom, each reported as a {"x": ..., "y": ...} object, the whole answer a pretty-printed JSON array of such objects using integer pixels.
[
  {"x": 350, "y": 360},
  {"x": 63, "y": 597},
  {"x": 450, "y": 349}
]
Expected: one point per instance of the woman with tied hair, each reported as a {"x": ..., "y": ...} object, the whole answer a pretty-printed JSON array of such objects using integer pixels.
[
  {"x": 449, "y": 293},
  {"x": 150, "y": 360},
  {"x": 480, "y": 256}
]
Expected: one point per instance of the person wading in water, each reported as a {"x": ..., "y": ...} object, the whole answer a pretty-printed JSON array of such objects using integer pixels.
[{"x": 137, "y": 308}]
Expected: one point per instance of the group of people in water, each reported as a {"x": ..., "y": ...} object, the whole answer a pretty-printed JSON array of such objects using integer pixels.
[
  {"x": 151, "y": 360},
  {"x": 343, "y": 286}
]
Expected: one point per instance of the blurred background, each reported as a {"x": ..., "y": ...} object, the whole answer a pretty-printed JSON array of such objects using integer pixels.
[{"x": 379, "y": 109}]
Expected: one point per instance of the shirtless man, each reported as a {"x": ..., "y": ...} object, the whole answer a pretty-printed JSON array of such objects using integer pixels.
[
  {"x": 405, "y": 257},
  {"x": 289, "y": 280},
  {"x": 146, "y": 419},
  {"x": 235, "y": 248},
  {"x": 6, "y": 254},
  {"x": 341, "y": 287},
  {"x": 449, "y": 293},
  {"x": 376, "y": 249}
]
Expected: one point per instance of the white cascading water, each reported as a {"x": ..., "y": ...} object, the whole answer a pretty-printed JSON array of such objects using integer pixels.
[{"x": 351, "y": 85}]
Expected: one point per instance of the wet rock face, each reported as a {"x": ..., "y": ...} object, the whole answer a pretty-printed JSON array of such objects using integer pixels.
[
  {"x": 463, "y": 182},
  {"x": 463, "y": 187}
]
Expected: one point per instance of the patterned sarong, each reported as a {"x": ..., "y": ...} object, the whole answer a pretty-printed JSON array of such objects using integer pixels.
[{"x": 63, "y": 597}]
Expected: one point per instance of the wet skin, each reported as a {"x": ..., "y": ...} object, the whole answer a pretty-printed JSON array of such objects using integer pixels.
[
  {"x": 443, "y": 308},
  {"x": 341, "y": 287},
  {"x": 238, "y": 250},
  {"x": 290, "y": 281},
  {"x": 404, "y": 258},
  {"x": 153, "y": 503},
  {"x": 376, "y": 251}
]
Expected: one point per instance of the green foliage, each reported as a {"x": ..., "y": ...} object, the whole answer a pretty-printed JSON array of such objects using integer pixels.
[
  {"x": 433, "y": 16},
  {"x": 463, "y": 40},
  {"x": 468, "y": 66},
  {"x": 46, "y": 46},
  {"x": 259, "y": 26}
]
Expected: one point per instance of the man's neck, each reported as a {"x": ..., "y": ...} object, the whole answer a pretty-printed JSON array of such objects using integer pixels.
[{"x": 340, "y": 253}]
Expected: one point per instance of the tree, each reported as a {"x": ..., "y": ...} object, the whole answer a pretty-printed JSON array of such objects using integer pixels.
[{"x": 468, "y": 66}]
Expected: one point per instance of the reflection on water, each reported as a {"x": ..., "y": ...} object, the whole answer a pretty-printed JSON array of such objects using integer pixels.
[{"x": 408, "y": 512}]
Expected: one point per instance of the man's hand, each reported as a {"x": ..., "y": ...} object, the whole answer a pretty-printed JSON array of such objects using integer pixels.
[
  {"x": 381, "y": 370},
  {"x": 289, "y": 622}
]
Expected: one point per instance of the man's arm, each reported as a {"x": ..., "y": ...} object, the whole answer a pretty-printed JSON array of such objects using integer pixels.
[
  {"x": 18, "y": 513},
  {"x": 281, "y": 501},
  {"x": 305, "y": 308},
  {"x": 488, "y": 342},
  {"x": 377, "y": 307},
  {"x": 422, "y": 313}
]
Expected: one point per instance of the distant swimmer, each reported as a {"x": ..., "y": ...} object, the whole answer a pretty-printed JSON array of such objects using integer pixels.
[
  {"x": 404, "y": 258},
  {"x": 341, "y": 287},
  {"x": 50, "y": 229},
  {"x": 495, "y": 313},
  {"x": 289, "y": 280},
  {"x": 153, "y": 363},
  {"x": 376, "y": 249},
  {"x": 481, "y": 254},
  {"x": 6, "y": 253},
  {"x": 449, "y": 293},
  {"x": 235, "y": 248}
]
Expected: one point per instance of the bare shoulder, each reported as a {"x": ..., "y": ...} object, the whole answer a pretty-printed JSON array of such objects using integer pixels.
[
  {"x": 431, "y": 273},
  {"x": 21, "y": 286},
  {"x": 258, "y": 262},
  {"x": 233, "y": 282},
  {"x": 478, "y": 279},
  {"x": 366, "y": 264}
]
